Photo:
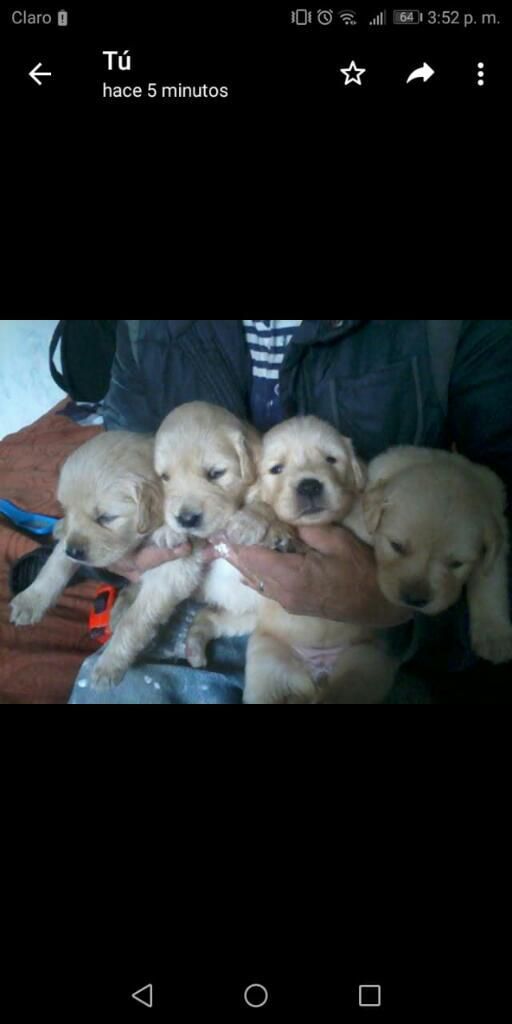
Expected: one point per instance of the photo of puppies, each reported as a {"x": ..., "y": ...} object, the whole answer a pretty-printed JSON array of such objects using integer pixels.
[
  {"x": 435, "y": 520},
  {"x": 255, "y": 511}
]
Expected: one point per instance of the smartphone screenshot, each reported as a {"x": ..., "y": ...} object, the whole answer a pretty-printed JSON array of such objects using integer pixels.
[{"x": 253, "y": 511}]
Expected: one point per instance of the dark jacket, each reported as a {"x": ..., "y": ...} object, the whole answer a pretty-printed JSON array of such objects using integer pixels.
[{"x": 380, "y": 382}]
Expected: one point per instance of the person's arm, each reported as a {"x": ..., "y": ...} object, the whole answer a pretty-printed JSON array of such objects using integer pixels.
[
  {"x": 336, "y": 579},
  {"x": 127, "y": 404}
]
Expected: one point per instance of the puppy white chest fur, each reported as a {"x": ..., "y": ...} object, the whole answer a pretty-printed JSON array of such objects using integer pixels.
[{"x": 223, "y": 587}]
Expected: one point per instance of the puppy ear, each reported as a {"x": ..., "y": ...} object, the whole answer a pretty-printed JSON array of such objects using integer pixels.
[
  {"x": 493, "y": 542},
  {"x": 356, "y": 467},
  {"x": 149, "y": 501},
  {"x": 248, "y": 448},
  {"x": 374, "y": 502},
  {"x": 59, "y": 529}
]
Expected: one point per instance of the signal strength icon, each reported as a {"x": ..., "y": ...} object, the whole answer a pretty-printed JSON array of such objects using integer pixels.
[
  {"x": 379, "y": 19},
  {"x": 348, "y": 17}
]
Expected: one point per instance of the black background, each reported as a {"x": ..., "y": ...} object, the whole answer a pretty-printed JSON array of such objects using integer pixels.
[{"x": 440, "y": 958}]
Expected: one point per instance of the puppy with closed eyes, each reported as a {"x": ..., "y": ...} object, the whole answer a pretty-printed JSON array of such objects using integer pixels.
[
  {"x": 205, "y": 459},
  {"x": 308, "y": 474},
  {"x": 437, "y": 524},
  {"x": 112, "y": 503}
]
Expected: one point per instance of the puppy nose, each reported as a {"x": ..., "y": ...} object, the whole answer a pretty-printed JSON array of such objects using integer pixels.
[
  {"x": 309, "y": 487},
  {"x": 189, "y": 519},
  {"x": 415, "y": 598},
  {"x": 75, "y": 552}
]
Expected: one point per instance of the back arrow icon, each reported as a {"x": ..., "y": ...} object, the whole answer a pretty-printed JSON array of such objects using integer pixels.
[
  {"x": 36, "y": 74},
  {"x": 144, "y": 995},
  {"x": 425, "y": 72}
]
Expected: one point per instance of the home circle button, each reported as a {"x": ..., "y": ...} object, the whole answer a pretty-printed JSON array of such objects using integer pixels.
[{"x": 256, "y": 995}]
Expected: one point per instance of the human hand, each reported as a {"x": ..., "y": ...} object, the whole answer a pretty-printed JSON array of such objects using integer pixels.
[
  {"x": 334, "y": 579},
  {"x": 134, "y": 566}
]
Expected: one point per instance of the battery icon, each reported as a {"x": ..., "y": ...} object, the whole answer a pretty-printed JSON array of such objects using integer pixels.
[
  {"x": 407, "y": 17},
  {"x": 62, "y": 17}
]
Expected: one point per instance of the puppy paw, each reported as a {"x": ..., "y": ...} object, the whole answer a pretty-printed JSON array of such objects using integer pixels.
[
  {"x": 166, "y": 537},
  {"x": 196, "y": 650},
  {"x": 280, "y": 537},
  {"x": 27, "y": 608},
  {"x": 494, "y": 643},
  {"x": 106, "y": 674},
  {"x": 246, "y": 527}
]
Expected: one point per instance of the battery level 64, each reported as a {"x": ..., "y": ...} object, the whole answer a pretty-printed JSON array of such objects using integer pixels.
[{"x": 407, "y": 17}]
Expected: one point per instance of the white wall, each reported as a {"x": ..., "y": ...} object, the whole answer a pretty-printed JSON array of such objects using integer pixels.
[{"x": 27, "y": 389}]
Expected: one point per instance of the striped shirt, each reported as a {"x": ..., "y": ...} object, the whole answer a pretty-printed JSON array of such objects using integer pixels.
[{"x": 267, "y": 341}]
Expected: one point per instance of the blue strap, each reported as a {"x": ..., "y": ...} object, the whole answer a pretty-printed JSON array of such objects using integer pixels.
[{"x": 29, "y": 521}]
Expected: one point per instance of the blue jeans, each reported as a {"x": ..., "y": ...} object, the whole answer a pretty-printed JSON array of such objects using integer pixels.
[
  {"x": 164, "y": 677},
  {"x": 157, "y": 682}
]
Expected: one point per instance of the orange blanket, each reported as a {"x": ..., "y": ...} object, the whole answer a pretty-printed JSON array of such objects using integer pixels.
[{"x": 38, "y": 663}]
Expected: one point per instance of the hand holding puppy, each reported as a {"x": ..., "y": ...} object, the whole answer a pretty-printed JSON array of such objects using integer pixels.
[
  {"x": 335, "y": 579},
  {"x": 134, "y": 566}
]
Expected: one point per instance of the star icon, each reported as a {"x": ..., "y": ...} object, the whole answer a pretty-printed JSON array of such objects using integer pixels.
[{"x": 352, "y": 73}]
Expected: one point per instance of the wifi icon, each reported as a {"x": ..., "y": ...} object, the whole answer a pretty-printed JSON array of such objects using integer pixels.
[{"x": 348, "y": 17}]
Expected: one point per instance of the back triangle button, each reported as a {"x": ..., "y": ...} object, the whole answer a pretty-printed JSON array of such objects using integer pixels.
[{"x": 144, "y": 995}]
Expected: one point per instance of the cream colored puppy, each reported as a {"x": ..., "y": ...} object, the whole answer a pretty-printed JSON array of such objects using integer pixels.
[
  {"x": 437, "y": 523},
  {"x": 308, "y": 473},
  {"x": 204, "y": 463},
  {"x": 204, "y": 459},
  {"x": 112, "y": 504}
]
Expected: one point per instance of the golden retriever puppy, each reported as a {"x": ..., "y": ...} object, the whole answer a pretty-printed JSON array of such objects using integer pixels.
[
  {"x": 204, "y": 459},
  {"x": 308, "y": 473},
  {"x": 437, "y": 523},
  {"x": 112, "y": 502}
]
